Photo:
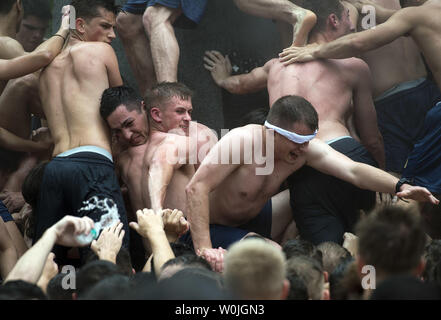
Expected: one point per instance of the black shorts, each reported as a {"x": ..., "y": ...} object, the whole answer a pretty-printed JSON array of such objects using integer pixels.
[
  {"x": 68, "y": 182},
  {"x": 324, "y": 207}
]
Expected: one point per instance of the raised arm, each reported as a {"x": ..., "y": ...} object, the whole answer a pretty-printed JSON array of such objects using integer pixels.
[
  {"x": 400, "y": 24},
  {"x": 365, "y": 116},
  {"x": 325, "y": 159},
  {"x": 220, "y": 68}
]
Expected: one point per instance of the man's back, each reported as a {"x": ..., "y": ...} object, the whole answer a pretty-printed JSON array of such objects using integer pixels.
[
  {"x": 327, "y": 84},
  {"x": 71, "y": 88}
]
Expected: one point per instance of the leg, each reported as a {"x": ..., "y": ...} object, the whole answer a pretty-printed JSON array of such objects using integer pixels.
[
  {"x": 158, "y": 22},
  {"x": 282, "y": 215},
  {"x": 301, "y": 20},
  {"x": 137, "y": 48},
  {"x": 8, "y": 254}
]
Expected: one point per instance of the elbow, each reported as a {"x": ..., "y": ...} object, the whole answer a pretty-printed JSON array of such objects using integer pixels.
[{"x": 46, "y": 57}]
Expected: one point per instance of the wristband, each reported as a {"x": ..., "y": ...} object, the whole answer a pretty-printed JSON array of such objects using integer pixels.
[{"x": 400, "y": 183}]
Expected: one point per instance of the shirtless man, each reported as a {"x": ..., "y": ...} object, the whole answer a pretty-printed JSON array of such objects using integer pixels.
[
  {"x": 71, "y": 88},
  {"x": 340, "y": 90},
  {"x": 294, "y": 22},
  {"x": 155, "y": 165},
  {"x": 232, "y": 194},
  {"x": 146, "y": 31},
  {"x": 402, "y": 91}
]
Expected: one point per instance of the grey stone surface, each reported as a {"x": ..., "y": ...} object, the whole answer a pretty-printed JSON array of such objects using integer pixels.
[{"x": 248, "y": 40}]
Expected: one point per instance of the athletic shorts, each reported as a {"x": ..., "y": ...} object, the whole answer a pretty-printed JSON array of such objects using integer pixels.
[
  {"x": 324, "y": 207},
  {"x": 224, "y": 236},
  {"x": 4, "y": 213},
  {"x": 401, "y": 119},
  {"x": 424, "y": 163},
  {"x": 70, "y": 180},
  {"x": 192, "y": 10}
]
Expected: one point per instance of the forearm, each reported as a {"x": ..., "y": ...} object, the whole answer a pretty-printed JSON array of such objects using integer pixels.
[
  {"x": 239, "y": 84},
  {"x": 370, "y": 178},
  {"x": 198, "y": 217},
  {"x": 376, "y": 149},
  {"x": 36, "y": 257},
  {"x": 12, "y": 142},
  {"x": 161, "y": 250},
  {"x": 158, "y": 181},
  {"x": 54, "y": 44},
  {"x": 342, "y": 48}
]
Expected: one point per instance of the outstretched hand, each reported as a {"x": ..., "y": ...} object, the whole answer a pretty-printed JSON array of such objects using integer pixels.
[
  {"x": 416, "y": 193},
  {"x": 149, "y": 223},
  {"x": 107, "y": 246},
  {"x": 298, "y": 54},
  {"x": 219, "y": 66},
  {"x": 175, "y": 224},
  {"x": 69, "y": 228},
  {"x": 215, "y": 257}
]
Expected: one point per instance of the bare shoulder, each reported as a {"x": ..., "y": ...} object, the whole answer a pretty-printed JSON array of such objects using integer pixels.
[
  {"x": 93, "y": 49},
  {"x": 10, "y": 48},
  {"x": 317, "y": 149}
]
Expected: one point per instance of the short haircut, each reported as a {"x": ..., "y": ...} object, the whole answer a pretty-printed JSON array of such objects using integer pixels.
[
  {"x": 37, "y": 8},
  {"x": 254, "y": 269},
  {"x": 300, "y": 247},
  {"x": 297, "y": 288},
  {"x": 310, "y": 271},
  {"x": 88, "y": 9},
  {"x": 332, "y": 255},
  {"x": 391, "y": 239},
  {"x": 291, "y": 109},
  {"x": 116, "y": 287},
  {"x": 21, "y": 290},
  {"x": 6, "y": 6},
  {"x": 257, "y": 116},
  {"x": 164, "y": 91},
  {"x": 55, "y": 290},
  {"x": 432, "y": 256},
  {"x": 322, "y": 9},
  {"x": 112, "y": 98}
]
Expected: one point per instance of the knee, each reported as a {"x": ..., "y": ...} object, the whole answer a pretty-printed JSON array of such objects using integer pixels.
[{"x": 128, "y": 25}]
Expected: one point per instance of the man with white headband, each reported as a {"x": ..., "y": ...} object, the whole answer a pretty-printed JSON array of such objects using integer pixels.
[{"x": 233, "y": 194}]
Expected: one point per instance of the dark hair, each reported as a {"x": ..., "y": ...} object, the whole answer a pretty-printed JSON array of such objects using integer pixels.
[
  {"x": 112, "y": 98},
  {"x": 405, "y": 287},
  {"x": 180, "y": 249},
  {"x": 93, "y": 272},
  {"x": 310, "y": 271},
  {"x": 123, "y": 260},
  {"x": 88, "y": 9},
  {"x": 188, "y": 260},
  {"x": 431, "y": 216},
  {"x": 55, "y": 290},
  {"x": 322, "y": 9},
  {"x": 297, "y": 289},
  {"x": 37, "y": 8},
  {"x": 298, "y": 247},
  {"x": 164, "y": 91},
  {"x": 114, "y": 287},
  {"x": 433, "y": 257},
  {"x": 391, "y": 239},
  {"x": 6, "y": 6},
  {"x": 257, "y": 116},
  {"x": 332, "y": 255},
  {"x": 337, "y": 290},
  {"x": 21, "y": 290},
  {"x": 291, "y": 109}
]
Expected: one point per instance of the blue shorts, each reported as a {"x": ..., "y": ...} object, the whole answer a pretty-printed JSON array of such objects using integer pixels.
[
  {"x": 224, "y": 236},
  {"x": 424, "y": 164},
  {"x": 4, "y": 213},
  {"x": 401, "y": 119},
  {"x": 193, "y": 10}
]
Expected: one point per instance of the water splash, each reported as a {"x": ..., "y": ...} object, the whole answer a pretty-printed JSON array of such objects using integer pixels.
[{"x": 109, "y": 217}]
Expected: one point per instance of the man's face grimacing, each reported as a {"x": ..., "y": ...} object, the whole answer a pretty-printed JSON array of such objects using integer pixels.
[
  {"x": 287, "y": 150},
  {"x": 176, "y": 114},
  {"x": 32, "y": 31},
  {"x": 128, "y": 127},
  {"x": 101, "y": 28}
]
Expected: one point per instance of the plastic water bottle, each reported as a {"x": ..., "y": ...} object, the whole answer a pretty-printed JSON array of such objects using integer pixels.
[{"x": 107, "y": 220}]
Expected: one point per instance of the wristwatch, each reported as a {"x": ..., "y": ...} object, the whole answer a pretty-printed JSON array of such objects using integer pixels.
[{"x": 400, "y": 183}]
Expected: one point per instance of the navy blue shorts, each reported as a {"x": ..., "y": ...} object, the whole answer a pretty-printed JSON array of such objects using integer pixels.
[
  {"x": 193, "y": 10},
  {"x": 401, "y": 119},
  {"x": 324, "y": 207},
  {"x": 4, "y": 213},
  {"x": 224, "y": 236},
  {"x": 68, "y": 182},
  {"x": 424, "y": 163}
]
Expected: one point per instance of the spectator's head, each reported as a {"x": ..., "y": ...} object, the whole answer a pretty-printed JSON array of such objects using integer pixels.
[
  {"x": 297, "y": 289},
  {"x": 55, "y": 290},
  {"x": 431, "y": 216},
  {"x": 116, "y": 287},
  {"x": 124, "y": 112},
  {"x": 95, "y": 20},
  {"x": 432, "y": 257},
  {"x": 332, "y": 18},
  {"x": 21, "y": 290},
  {"x": 92, "y": 273},
  {"x": 13, "y": 9},
  {"x": 169, "y": 105},
  {"x": 299, "y": 247},
  {"x": 332, "y": 255},
  {"x": 405, "y": 287},
  {"x": 181, "y": 262},
  {"x": 338, "y": 291},
  {"x": 391, "y": 240},
  {"x": 37, "y": 15},
  {"x": 295, "y": 115},
  {"x": 311, "y": 272},
  {"x": 255, "y": 269}
]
